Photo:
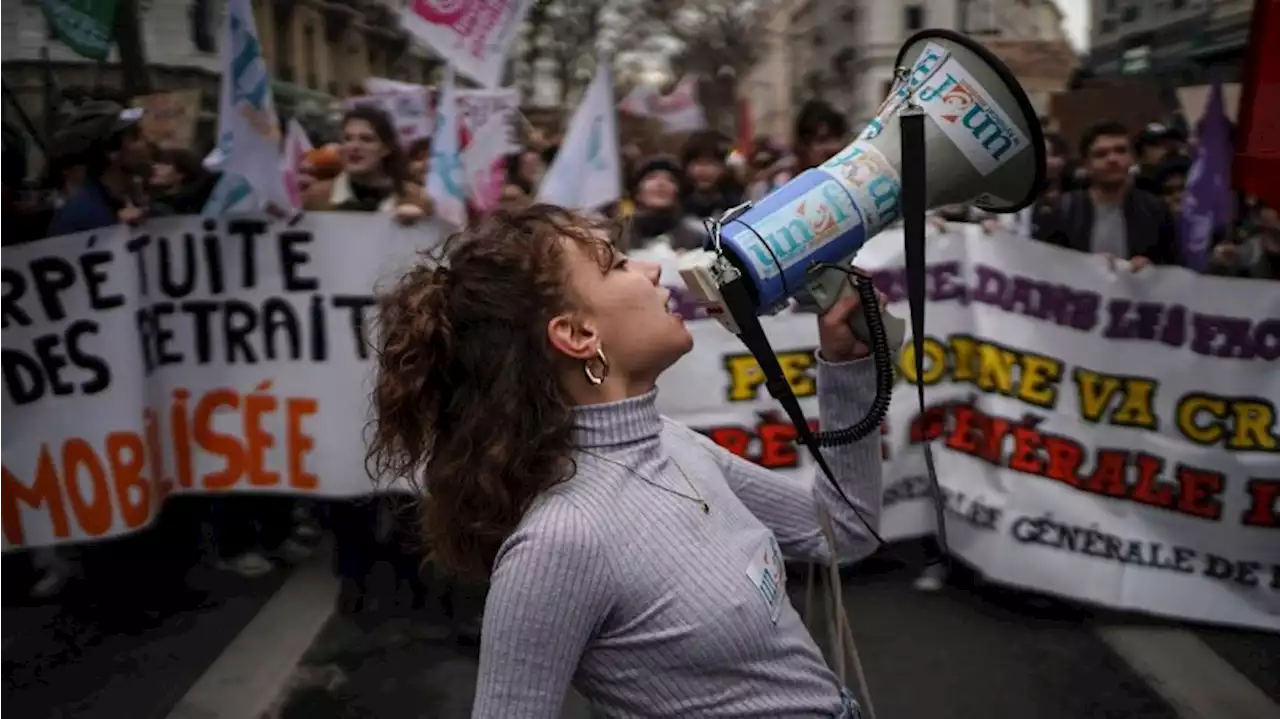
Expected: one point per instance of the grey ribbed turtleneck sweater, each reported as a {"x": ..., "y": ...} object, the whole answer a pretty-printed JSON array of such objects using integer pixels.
[{"x": 650, "y": 607}]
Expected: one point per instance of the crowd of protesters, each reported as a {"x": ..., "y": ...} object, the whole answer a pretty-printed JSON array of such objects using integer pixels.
[{"x": 1118, "y": 194}]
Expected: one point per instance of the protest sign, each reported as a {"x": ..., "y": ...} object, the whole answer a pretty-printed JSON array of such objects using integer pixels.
[
  {"x": 478, "y": 106},
  {"x": 1107, "y": 437},
  {"x": 474, "y": 37},
  {"x": 189, "y": 355},
  {"x": 678, "y": 110}
]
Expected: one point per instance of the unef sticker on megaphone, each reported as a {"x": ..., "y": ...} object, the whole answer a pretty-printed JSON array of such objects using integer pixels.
[{"x": 965, "y": 112}]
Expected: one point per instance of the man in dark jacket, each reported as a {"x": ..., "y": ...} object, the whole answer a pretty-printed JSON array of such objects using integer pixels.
[
  {"x": 117, "y": 158},
  {"x": 1111, "y": 217}
]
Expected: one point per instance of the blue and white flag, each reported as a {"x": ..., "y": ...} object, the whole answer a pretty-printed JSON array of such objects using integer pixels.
[
  {"x": 446, "y": 180},
  {"x": 248, "y": 152}
]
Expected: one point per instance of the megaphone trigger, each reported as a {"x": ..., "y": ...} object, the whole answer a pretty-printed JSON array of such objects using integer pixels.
[{"x": 828, "y": 283}]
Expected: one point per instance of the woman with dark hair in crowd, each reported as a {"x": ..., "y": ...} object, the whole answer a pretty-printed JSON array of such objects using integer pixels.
[
  {"x": 524, "y": 174},
  {"x": 374, "y": 175},
  {"x": 525, "y": 170},
  {"x": 709, "y": 187},
  {"x": 374, "y": 178},
  {"x": 627, "y": 553}
]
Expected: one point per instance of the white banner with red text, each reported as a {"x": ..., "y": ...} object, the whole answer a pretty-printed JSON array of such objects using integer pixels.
[{"x": 1101, "y": 435}]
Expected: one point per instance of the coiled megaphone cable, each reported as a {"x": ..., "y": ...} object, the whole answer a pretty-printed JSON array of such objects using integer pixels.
[{"x": 882, "y": 356}]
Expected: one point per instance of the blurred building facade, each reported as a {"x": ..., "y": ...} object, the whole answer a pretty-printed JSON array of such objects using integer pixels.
[
  {"x": 843, "y": 51},
  {"x": 1023, "y": 20},
  {"x": 770, "y": 87},
  {"x": 316, "y": 51},
  {"x": 1182, "y": 42}
]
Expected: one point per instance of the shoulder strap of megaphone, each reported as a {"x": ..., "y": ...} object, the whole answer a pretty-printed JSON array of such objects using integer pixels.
[{"x": 914, "y": 206}]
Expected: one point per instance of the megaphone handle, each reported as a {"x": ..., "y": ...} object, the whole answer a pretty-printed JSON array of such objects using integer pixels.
[
  {"x": 829, "y": 284},
  {"x": 895, "y": 328}
]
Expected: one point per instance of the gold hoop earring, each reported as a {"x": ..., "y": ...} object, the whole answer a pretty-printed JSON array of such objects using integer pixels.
[{"x": 592, "y": 377}]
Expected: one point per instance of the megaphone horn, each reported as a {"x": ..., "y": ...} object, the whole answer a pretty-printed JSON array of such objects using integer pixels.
[{"x": 984, "y": 147}]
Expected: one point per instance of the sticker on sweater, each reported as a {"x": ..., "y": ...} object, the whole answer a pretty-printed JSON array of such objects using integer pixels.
[{"x": 768, "y": 573}]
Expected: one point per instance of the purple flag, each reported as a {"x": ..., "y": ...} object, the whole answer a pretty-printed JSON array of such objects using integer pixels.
[{"x": 1206, "y": 206}]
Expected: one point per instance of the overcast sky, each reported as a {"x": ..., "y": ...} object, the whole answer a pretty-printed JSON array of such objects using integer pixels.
[{"x": 1076, "y": 22}]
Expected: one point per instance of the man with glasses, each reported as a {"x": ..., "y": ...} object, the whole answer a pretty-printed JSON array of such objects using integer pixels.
[{"x": 1111, "y": 217}]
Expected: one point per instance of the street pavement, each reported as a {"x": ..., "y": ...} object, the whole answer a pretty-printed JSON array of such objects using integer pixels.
[{"x": 275, "y": 648}]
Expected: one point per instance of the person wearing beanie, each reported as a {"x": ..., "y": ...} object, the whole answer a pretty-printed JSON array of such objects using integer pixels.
[
  {"x": 1155, "y": 145},
  {"x": 709, "y": 187},
  {"x": 659, "y": 217}
]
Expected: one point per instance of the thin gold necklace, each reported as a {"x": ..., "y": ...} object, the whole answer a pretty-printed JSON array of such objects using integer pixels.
[{"x": 696, "y": 497}]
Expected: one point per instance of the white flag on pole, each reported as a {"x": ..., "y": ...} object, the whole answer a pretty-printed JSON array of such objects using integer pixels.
[
  {"x": 471, "y": 35},
  {"x": 248, "y": 152},
  {"x": 446, "y": 178},
  {"x": 587, "y": 171}
]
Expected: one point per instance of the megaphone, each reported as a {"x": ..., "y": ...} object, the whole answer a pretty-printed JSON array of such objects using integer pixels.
[
  {"x": 955, "y": 128},
  {"x": 983, "y": 144}
]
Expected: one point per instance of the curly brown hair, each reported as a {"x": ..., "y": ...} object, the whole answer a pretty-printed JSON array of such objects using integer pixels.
[{"x": 467, "y": 403}]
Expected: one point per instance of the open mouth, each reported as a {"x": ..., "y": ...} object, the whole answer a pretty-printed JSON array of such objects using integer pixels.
[{"x": 672, "y": 307}]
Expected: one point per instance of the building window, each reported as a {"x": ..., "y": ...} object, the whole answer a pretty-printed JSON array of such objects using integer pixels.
[
  {"x": 850, "y": 16},
  {"x": 201, "y": 30},
  {"x": 1178, "y": 4},
  {"x": 817, "y": 38},
  {"x": 281, "y": 25},
  {"x": 1111, "y": 6},
  {"x": 1130, "y": 14},
  {"x": 1108, "y": 26},
  {"x": 1136, "y": 60},
  {"x": 913, "y": 17},
  {"x": 309, "y": 55},
  {"x": 842, "y": 64}
]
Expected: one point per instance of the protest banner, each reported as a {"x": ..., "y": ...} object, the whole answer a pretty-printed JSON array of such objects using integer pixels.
[
  {"x": 189, "y": 355},
  {"x": 1107, "y": 437}
]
